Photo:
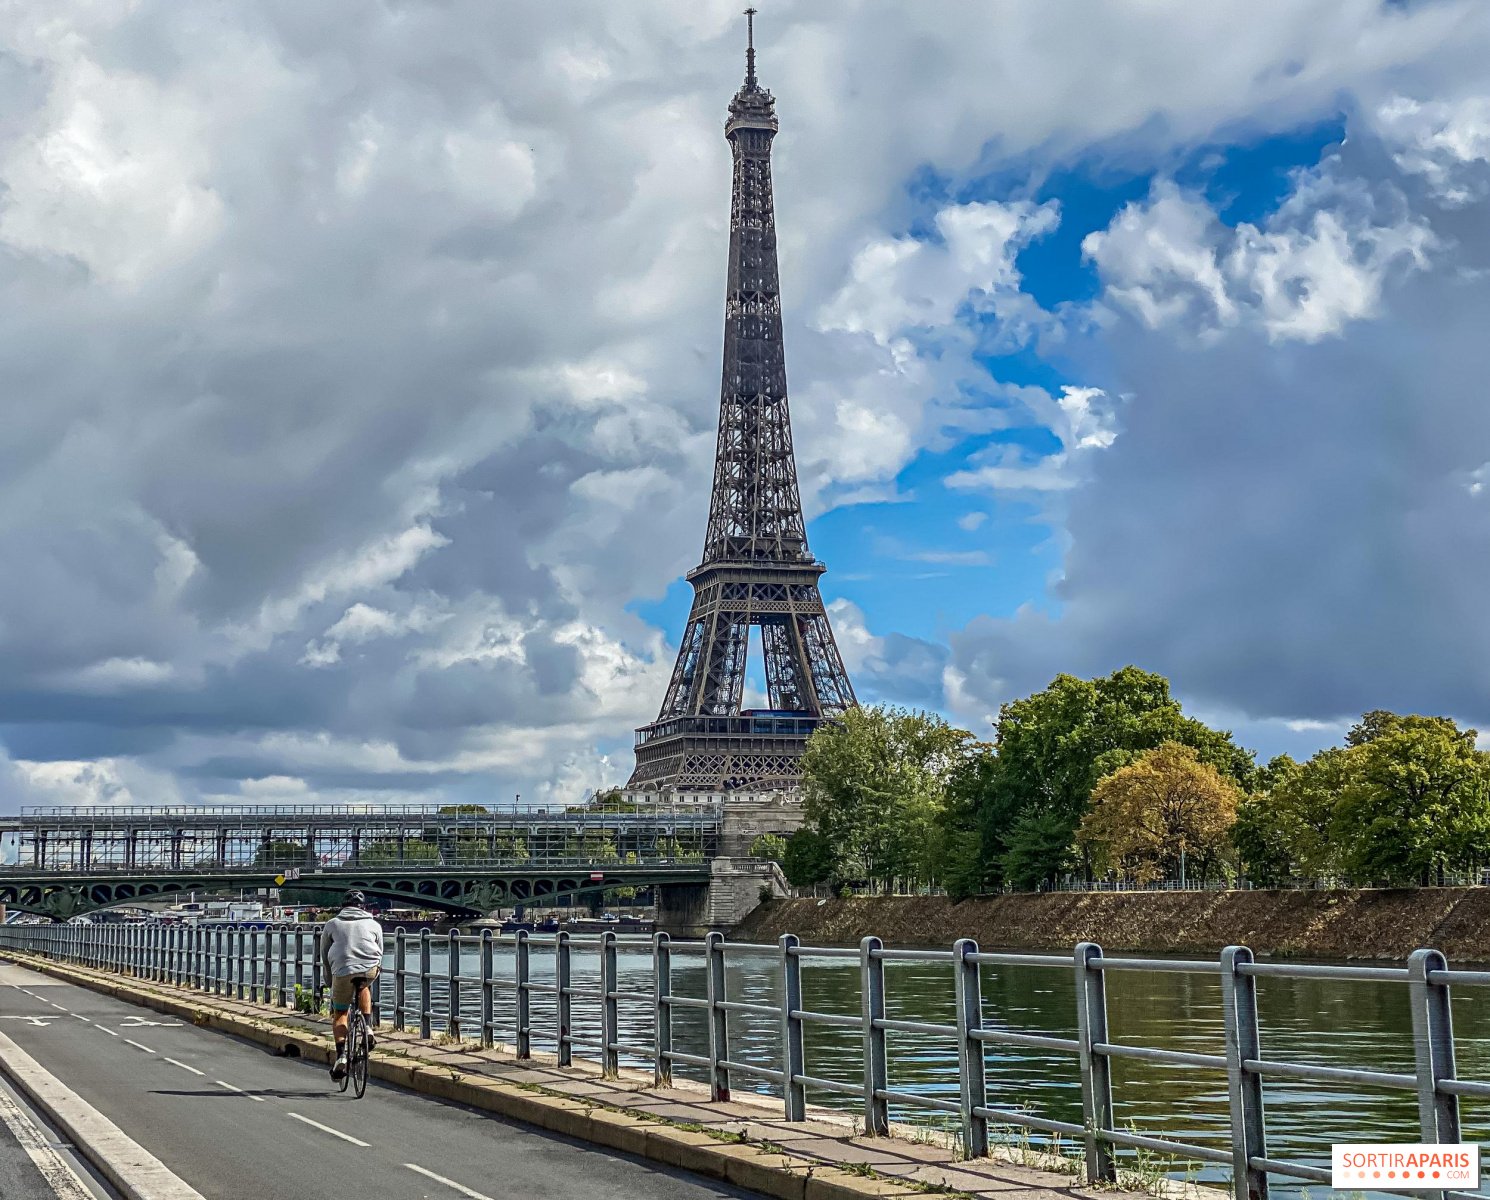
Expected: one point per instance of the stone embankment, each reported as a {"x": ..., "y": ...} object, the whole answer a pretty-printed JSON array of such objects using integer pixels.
[{"x": 1337, "y": 924}]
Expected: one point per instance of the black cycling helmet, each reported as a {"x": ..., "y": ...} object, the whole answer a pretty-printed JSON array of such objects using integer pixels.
[{"x": 354, "y": 899}]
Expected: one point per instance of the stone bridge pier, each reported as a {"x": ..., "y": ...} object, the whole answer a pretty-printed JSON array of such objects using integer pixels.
[{"x": 690, "y": 910}]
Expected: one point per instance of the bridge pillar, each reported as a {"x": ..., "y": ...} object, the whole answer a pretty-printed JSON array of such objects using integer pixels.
[{"x": 732, "y": 893}]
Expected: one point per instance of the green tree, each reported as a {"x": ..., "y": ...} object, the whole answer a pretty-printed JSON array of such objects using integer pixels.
[
  {"x": 809, "y": 859},
  {"x": 1417, "y": 803},
  {"x": 280, "y": 854},
  {"x": 1164, "y": 815},
  {"x": 1300, "y": 811},
  {"x": 1053, "y": 746},
  {"x": 956, "y": 846},
  {"x": 385, "y": 853},
  {"x": 769, "y": 845},
  {"x": 1039, "y": 849},
  {"x": 873, "y": 783}
]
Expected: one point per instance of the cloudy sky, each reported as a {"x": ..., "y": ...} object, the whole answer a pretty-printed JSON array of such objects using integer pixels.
[{"x": 361, "y": 368}]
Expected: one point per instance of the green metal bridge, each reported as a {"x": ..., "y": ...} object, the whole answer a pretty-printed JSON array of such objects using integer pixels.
[
  {"x": 470, "y": 889},
  {"x": 63, "y": 862}
]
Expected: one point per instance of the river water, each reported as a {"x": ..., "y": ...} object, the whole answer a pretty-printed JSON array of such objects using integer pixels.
[{"x": 1346, "y": 1024}]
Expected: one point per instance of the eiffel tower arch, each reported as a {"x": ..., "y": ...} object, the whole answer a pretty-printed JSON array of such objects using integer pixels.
[{"x": 757, "y": 572}]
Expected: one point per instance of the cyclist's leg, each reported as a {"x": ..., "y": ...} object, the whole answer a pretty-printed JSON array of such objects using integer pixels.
[
  {"x": 341, "y": 1000},
  {"x": 364, "y": 1002}
]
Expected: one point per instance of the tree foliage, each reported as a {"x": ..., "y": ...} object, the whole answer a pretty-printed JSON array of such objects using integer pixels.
[
  {"x": 280, "y": 854},
  {"x": 874, "y": 782},
  {"x": 769, "y": 845},
  {"x": 1161, "y": 816},
  {"x": 1051, "y": 749}
]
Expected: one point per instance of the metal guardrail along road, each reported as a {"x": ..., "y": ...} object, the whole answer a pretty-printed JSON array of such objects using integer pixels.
[{"x": 272, "y": 966}]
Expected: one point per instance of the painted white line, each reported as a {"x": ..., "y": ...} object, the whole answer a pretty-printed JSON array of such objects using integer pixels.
[
  {"x": 137, "y": 1046},
  {"x": 106, "y": 1029},
  {"x": 57, "y": 1006},
  {"x": 126, "y": 1164},
  {"x": 183, "y": 1066},
  {"x": 54, "y": 1169},
  {"x": 346, "y": 1137},
  {"x": 450, "y": 1183},
  {"x": 239, "y": 1090},
  {"x": 81, "y": 1017}
]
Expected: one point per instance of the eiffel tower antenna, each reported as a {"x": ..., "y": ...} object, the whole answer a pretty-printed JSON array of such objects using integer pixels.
[
  {"x": 757, "y": 572},
  {"x": 750, "y": 48}
]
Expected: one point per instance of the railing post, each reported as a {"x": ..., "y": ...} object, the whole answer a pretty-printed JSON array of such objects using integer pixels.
[
  {"x": 1433, "y": 1043},
  {"x": 315, "y": 969},
  {"x": 524, "y": 1033},
  {"x": 217, "y": 977},
  {"x": 252, "y": 970},
  {"x": 662, "y": 1012},
  {"x": 562, "y": 963},
  {"x": 488, "y": 1034},
  {"x": 718, "y": 1017},
  {"x": 610, "y": 1013},
  {"x": 268, "y": 962},
  {"x": 876, "y": 1068},
  {"x": 284, "y": 967},
  {"x": 971, "y": 1065},
  {"x": 400, "y": 967},
  {"x": 452, "y": 985},
  {"x": 299, "y": 960},
  {"x": 234, "y": 977},
  {"x": 1096, "y": 1071},
  {"x": 377, "y": 999},
  {"x": 793, "y": 1051},
  {"x": 424, "y": 983},
  {"x": 1244, "y": 1087}
]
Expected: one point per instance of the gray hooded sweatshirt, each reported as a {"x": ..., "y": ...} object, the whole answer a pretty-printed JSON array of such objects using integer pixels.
[{"x": 351, "y": 943}]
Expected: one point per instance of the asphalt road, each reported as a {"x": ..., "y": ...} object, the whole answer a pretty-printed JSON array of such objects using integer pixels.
[
  {"x": 234, "y": 1121},
  {"x": 35, "y": 1162}
]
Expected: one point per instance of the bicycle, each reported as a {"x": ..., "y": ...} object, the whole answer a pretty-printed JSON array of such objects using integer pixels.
[{"x": 357, "y": 1036}]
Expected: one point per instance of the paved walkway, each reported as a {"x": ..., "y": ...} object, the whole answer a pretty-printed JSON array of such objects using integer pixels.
[{"x": 827, "y": 1139}]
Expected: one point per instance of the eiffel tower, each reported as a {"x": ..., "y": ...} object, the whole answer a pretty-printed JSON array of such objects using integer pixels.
[{"x": 756, "y": 569}]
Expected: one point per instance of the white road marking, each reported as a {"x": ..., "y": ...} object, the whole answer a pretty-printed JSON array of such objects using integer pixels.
[
  {"x": 81, "y": 1017},
  {"x": 54, "y": 1004},
  {"x": 106, "y": 1029},
  {"x": 140, "y": 1023},
  {"x": 54, "y": 1169},
  {"x": 38, "y": 1019},
  {"x": 137, "y": 1046},
  {"x": 346, "y": 1137},
  {"x": 140, "y": 1172},
  {"x": 450, "y": 1183},
  {"x": 183, "y": 1066},
  {"x": 240, "y": 1091}
]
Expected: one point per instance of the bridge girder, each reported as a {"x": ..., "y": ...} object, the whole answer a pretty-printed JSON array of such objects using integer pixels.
[{"x": 60, "y": 896}]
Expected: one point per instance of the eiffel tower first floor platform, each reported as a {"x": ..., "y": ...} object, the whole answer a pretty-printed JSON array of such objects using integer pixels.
[{"x": 715, "y": 753}]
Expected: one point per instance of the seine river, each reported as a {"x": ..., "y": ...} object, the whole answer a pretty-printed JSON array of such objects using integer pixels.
[{"x": 1344, "y": 1024}]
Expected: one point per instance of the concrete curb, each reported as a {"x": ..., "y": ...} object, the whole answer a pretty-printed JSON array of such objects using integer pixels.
[
  {"x": 128, "y": 1166},
  {"x": 753, "y": 1168}
]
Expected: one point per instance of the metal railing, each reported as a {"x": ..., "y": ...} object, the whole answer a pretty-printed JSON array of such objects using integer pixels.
[{"x": 275, "y": 966}]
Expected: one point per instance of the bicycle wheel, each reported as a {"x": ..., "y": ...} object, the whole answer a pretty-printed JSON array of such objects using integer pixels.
[{"x": 357, "y": 1051}]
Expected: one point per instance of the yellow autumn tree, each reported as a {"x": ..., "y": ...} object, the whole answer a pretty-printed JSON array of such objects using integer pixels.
[{"x": 1166, "y": 803}]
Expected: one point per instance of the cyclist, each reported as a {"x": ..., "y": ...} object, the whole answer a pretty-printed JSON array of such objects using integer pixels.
[{"x": 351, "y": 949}]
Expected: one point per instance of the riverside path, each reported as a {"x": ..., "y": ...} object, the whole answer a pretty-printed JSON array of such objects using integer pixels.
[{"x": 232, "y": 1121}]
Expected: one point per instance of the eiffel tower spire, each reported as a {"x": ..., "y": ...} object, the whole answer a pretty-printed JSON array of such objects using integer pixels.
[{"x": 757, "y": 570}]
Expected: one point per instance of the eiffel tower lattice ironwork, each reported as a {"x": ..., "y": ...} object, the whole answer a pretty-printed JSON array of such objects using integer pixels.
[{"x": 756, "y": 569}]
